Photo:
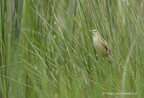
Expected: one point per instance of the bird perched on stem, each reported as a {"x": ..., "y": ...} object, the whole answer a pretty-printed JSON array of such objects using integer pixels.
[{"x": 101, "y": 45}]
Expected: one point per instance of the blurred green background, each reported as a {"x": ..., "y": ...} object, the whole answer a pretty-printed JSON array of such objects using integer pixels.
[{"x": 46, "y": 51}]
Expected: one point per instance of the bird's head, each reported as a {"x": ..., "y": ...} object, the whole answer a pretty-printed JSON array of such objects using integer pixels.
[{"x": 94, "y": 31}]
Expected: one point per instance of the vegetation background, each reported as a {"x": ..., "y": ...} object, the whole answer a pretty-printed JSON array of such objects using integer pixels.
[{"x": 46, "y": 51}]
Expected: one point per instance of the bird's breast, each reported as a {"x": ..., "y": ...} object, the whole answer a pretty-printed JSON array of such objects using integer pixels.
[{"x": 99, "y": 46}]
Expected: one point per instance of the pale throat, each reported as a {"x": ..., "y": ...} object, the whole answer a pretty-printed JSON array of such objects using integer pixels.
[
  {"x": 96, "y": 38},
  {"x": 98, "y": 45}
]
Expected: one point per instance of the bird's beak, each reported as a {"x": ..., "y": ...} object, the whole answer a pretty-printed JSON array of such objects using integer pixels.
[{"x": 89, "y": 31}]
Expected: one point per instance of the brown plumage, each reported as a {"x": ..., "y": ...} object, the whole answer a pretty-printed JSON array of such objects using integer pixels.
[{"x": 101, "y": 45}]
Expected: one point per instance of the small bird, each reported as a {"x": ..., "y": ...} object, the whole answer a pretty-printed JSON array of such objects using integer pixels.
[{"x": 101, "y": 45}]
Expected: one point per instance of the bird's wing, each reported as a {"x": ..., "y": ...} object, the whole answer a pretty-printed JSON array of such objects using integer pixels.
[{"x": 106, "y": 45}]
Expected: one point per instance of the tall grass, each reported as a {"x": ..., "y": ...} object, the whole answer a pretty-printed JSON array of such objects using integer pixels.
[{"x": 46, "y": 51}]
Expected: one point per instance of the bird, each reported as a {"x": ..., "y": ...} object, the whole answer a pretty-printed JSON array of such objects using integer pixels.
[{"x": 101, "y": 45}]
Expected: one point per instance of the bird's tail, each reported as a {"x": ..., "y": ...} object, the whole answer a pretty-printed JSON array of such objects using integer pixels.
[{"x": 111, "y": 59}]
